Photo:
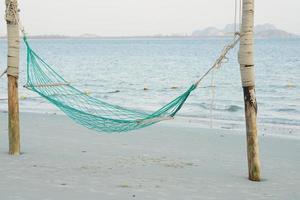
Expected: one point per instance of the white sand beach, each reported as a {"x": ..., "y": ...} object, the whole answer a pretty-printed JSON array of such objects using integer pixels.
[
  {"x": 61, "y": 160},
  {"x": 125, "y": 65}
]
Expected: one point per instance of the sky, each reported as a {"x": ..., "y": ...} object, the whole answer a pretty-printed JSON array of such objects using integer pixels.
[{"x": 144, "y": 17}]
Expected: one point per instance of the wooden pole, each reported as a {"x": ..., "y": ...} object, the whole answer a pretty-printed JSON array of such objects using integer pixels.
[
  {"x": 13, "y": 39},
  {"x": 248, "y": 82}
]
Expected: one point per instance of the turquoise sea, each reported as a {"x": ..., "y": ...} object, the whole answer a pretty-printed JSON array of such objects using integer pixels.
[{"x": 147, "y": 73}]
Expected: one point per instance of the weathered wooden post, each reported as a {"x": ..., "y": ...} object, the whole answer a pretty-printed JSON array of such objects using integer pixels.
[
  {"x": 13, "y": 39},
  {"x": 248, "y": 82}
]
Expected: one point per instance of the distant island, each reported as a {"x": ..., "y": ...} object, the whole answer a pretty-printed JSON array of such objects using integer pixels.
[{"x": 261, "y": 31}]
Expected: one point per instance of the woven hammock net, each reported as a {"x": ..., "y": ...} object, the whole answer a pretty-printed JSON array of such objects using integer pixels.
[{"x": 87, "y": 110}]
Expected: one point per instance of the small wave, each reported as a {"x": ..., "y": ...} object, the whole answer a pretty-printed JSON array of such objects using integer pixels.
[
  {"x": 276, "y": 120},
  {"x": 290, "y": 110},
  {"x": 234, "y": 108},
  {"x": 115, "y": 91},
  {"x": 230, "y": 108},
  {"x": 201, "y": 105}
]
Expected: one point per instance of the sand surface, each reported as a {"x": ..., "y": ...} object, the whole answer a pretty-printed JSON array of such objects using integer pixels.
[{"x": 62, "y": 161}]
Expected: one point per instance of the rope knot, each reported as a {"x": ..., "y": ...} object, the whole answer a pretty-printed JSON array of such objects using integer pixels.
[
  {"x": 11, "y": 12},
  {"x": 237, "y": 33}
]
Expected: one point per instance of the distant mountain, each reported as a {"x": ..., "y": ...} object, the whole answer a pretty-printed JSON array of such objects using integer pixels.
[
  {"x": 264, "y": 27},
  {"x": 270, "y": 31},
  {"x": 88, "y": 35},
  {"x": 261, "y": 31},
  {"x": 208, "y": 32},
  {"x": 229, "y": 28},
  {"x": 43, "y": 37}
]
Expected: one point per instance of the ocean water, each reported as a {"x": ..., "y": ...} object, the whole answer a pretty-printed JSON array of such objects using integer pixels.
[{"x": 118, "y": 70}]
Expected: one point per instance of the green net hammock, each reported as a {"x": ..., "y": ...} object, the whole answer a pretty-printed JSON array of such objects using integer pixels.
[
  {"x": 94, "y": 113},
  {"x": 89, "y": 111}
]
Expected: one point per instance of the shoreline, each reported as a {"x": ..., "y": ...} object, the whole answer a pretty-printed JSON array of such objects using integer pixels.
[{"x": 269, "y": 129}]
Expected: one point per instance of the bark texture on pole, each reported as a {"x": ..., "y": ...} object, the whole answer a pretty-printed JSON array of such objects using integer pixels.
[
  {"x": 248, "y": 82},
  {"x": 13, "y": 39}
]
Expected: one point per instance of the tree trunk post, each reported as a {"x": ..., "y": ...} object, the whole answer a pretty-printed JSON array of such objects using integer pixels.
[
  {"x": 245, "y": 58},
  {"x": 13, "y": 39}
]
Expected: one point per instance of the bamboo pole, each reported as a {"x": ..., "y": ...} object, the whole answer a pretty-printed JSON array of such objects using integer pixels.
[
  {"x": 13, "y": 39},
  {"x": 248, "y": 82}
]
